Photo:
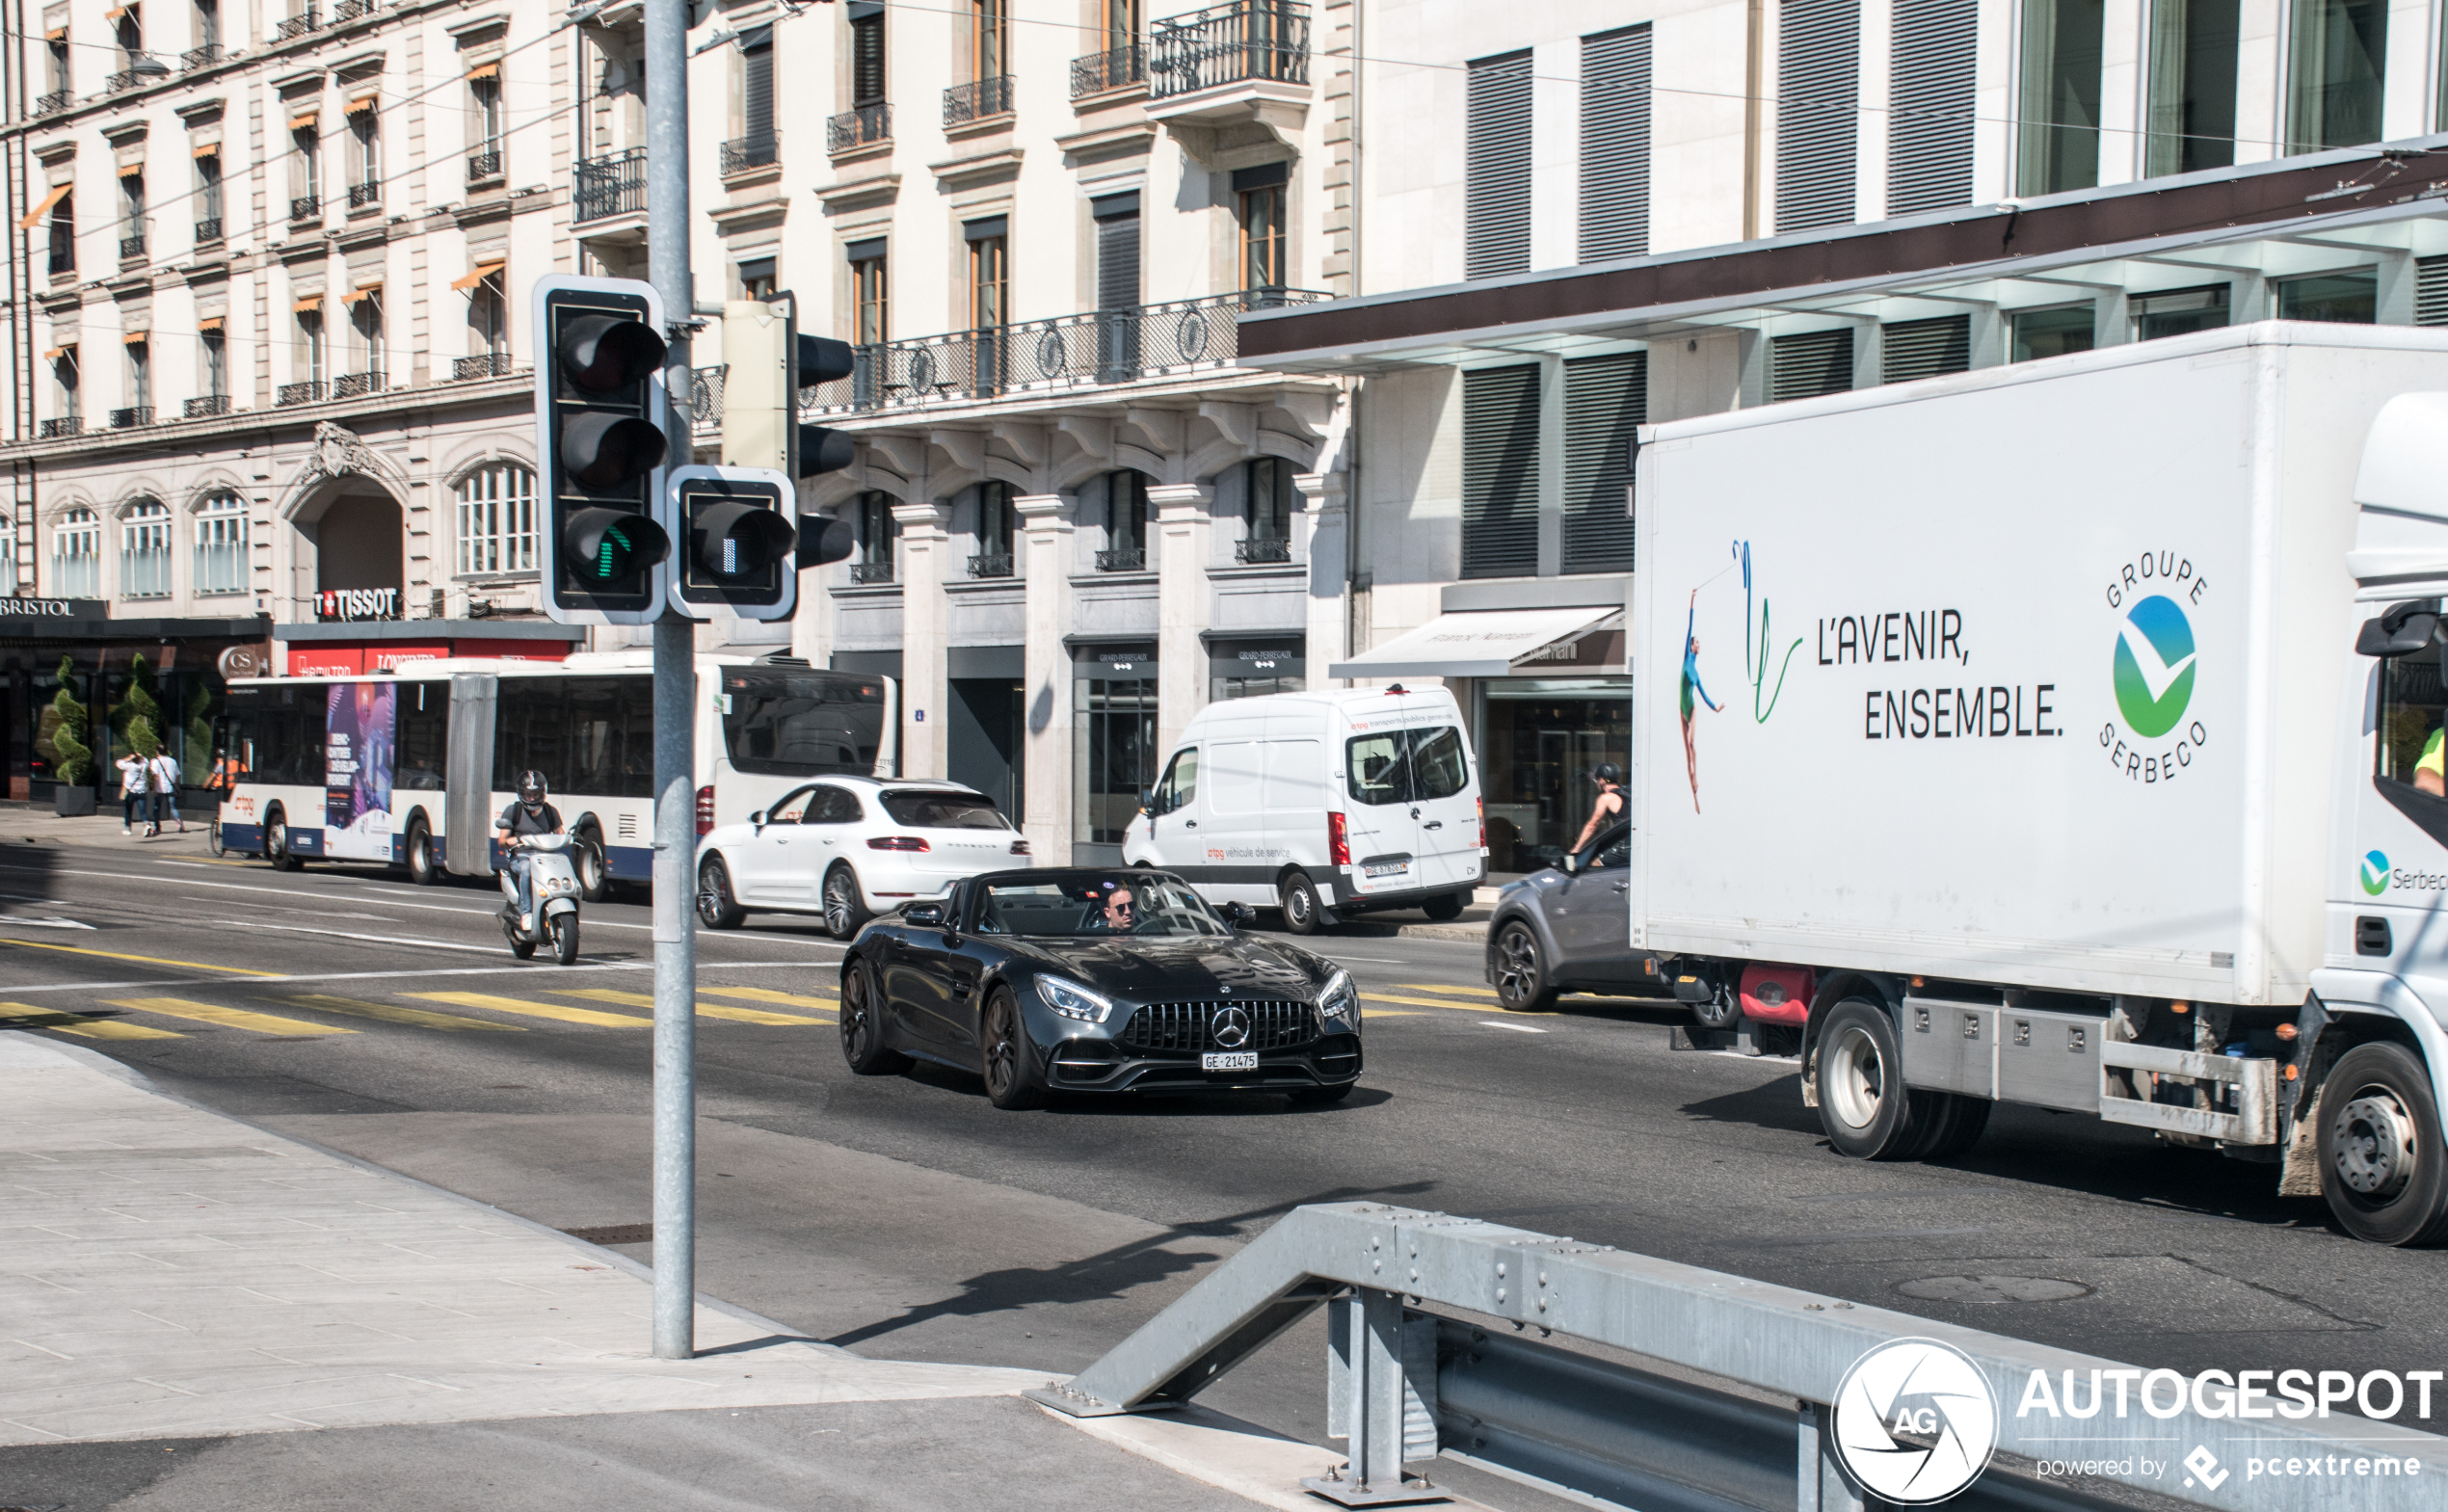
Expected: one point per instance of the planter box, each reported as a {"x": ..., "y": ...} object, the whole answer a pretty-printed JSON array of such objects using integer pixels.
[{"x": 71, "y": 803}]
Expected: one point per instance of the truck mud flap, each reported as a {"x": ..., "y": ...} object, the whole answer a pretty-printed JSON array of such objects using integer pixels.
[{"x": 2254, "y": 1121}]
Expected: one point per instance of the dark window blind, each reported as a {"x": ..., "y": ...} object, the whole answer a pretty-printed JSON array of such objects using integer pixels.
[
  {"x": 1500, "y": 472},
  {"x": 1614, "y": 145},
  {"x": 1817, "y": 100},
  {"x": 1605, "y": 399},
  {"x": 1912, "y": 349},
  {"x": 1497, "y": 194},
  {"x": 1811, "y": 363},
  {"x": 1930, "y": 121}
]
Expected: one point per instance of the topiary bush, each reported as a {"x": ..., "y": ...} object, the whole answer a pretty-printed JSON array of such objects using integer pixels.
[{"x": 75, "y": 764}]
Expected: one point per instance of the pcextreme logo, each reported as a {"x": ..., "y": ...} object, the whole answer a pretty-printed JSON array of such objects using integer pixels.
[
  {"x": 2154, "y": 667},
  {"x": 2374, "y": 873},
  {"x": 1915, "y": 1421}
]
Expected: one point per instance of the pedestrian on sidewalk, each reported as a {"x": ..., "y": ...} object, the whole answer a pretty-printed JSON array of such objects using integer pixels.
[
  {"x": 165, "y": 773},
  {"x": 133, "y": 771}
]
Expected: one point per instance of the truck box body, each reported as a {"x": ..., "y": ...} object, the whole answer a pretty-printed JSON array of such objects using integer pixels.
[{"x": 2030, "y": 676}]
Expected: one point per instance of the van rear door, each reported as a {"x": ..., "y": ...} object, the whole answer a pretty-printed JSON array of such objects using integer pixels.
[
  {"x": 1378, "y": 812},
  {"x": 1445, "y": 793}
]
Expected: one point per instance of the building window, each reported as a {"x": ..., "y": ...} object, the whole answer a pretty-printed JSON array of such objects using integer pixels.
[
  {"x": 221, "y": 546},
  {"x": 2351, "y": 298},
  {"x": 1931, "y": 57},
  {"x": 867, "y": 60},
  {"x": 309, "y": 355},
  {"x": 757, "y": 280},
  {"x": 868, "y": 294},
  {"x": 1614, "y": 145},
  {"x": 998, "y": 524},
  {"x": 989, "y": 273},
  {"x": 1268, "y": 502},
  {"x": 305, "y": 164},
  {"x": 62, "y": 232},
  {"x": 758, "y": 140},
  {"x": 208, "y": 227},
  {"x": 879, "y": 532},
  {"x": 365, "y": 333},
  {"x": 132, "y": 222},
  {"x": 497, "y": 520},
  {"x": 488, "y": 317},
  {"x": 1910, "y": 349},
  {"x": 365, "y": 154},
  {"x": 212, "y": 348},
  {"x": 140, "y": 375},
  {"x": 7, "y": 557},
  {"x": 1818, "y": 121},
  {"x": 1126, "y": 521},
  {"x": 1259, "y": 192},
  {"x": 2060, "y": 148},
  {"x": 76, "y": 555},
  {"x": 1497, "y": 168},
  {"x": 1500, "y": 471},
  {"x": 2053, "y": 333},
  {"x": 55, "y": 63},
  {"x": 67, "y": 384},
  {"x": 2338, "y": 54},
  {"x": 1114, "y": 707},
  {"x": 1809, "y": 364},
  {"x": 2192, "y": 121},
  {"x": 143, "y": 559},
  {"x": 2178, "y": 312},
  {"x": 989, "y": 39},
  {"x": 484, "y": 100},
  {"x": 208, "y": 28},
  {"x": 1606, "y": 401}
]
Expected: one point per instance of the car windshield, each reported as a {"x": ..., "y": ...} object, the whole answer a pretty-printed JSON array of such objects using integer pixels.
[
  {"x": 921, "y": 809},
  {"x": 1116, "y": 903}
]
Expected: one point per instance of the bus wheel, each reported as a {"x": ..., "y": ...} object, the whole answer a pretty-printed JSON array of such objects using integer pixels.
[
  {"x": 421, "y": 869},
  {"x": 594, "y": 881},
  {"x": 276, "y": 843},
  {"x": 2381, "y": 1167}
]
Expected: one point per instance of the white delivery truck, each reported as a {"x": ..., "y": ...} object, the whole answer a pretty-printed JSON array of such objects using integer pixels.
[
  {"x": 1321, "y": 804},
  {"x": 2067, "y": 734}
]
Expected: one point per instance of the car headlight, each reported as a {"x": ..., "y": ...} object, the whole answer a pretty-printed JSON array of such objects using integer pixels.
[
  {"x": 1073, "y": 1000},
  {"x": 1341, "y": 999}
]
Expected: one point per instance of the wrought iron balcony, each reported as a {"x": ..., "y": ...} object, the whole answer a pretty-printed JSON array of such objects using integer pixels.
[
  {"x": 351, "y": 10},
  {"x": 706, "y": 396},
  {"x": 603, "y": 187},
  {"x": 299, "y": 24},
  {"x": 203, "y": 57},
  {"x": 1258, "y": 549},
  {"x": 1123, "y": 559},
  {"x": 306, "y": 207},
  {"x": 991, "y": 564},
  {"x": 871, "y": 572},
  {"x": 205, "y": 406},
  {"x": 744, "y": 153},
  {"x": 62, "y": 257},
  {"x": 362, "y": 195},
  {"x": 1230, "y": 43},
  {"x": 307, "y": 392},
  {"x": 862, "y": 128},
  {"x": 484, "y": 167},
  {"x": 131, "y": 249},
  {"x": 61, "y": 427},
  {"x": 1068, "y": 352},
  {"x": 208, "y": 232},
  {"x": 142, "y": 68},
  {"x": 979, "y": 100},
  {"x": 483, "y": 365},
  {"x": 353, "y": 385},
  {"x": 131, "y": 417},
  {"x": 57, "y": 99},
  {"x": 1102, "y": 72}
]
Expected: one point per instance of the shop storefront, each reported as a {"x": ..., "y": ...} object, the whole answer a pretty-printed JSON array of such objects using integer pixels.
[
  {"x": 346, "y": 648},
  {"x": 1248, "y": 667},
  {"x": 1114, "y": 744},
  {"x": 83, "y": 690}
]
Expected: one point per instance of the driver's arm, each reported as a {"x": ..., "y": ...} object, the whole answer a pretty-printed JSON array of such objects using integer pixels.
[{"x": 2430, "y": 770}]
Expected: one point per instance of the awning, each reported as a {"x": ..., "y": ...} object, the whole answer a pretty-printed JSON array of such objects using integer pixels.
[
  {"x": 56, "y": 34},
  {"x": 313, "y": 302},
  {"x": 363, "y": 292},
  {"x": 300, "y": 119},
  {"x": 131, "y": 338},
  {"x": 210, "y": 324},
  {"x": 1487, "y": 643},
  {"x": 476, "y": 275},
  {"x": 116, "y": 11},
  {"x": 208, "y": 149},
  {"x": 131, "y": 170},
  {"x": 360, "y": 104},
  {"x": 34, "y": 217},
  {"x": 59, "y": 352},
  {"x": 484, "y": 70}
]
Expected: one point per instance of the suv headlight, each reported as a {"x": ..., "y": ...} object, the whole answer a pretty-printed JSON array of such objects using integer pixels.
[
  {"x": 1341, "y": 999},
  {"x": 1073, "y": 1000}
]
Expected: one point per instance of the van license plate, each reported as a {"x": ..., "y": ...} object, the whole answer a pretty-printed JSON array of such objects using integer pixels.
[
  {"x": 1385, "y": 868},
  {"x": 1229, "y": 1060}
]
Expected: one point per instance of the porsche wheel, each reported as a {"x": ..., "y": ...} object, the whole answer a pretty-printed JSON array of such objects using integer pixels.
[
  {"x": 845, "y": 911},
  {"x": 716, "y": 907}
]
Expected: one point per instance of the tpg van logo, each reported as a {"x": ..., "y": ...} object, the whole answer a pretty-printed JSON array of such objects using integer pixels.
[
  {"x": 2154, "y": 668},
  {"x": 2374, "y": 873}
]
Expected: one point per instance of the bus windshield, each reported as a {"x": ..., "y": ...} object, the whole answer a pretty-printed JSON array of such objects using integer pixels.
[{"x": 801, "y": 724}]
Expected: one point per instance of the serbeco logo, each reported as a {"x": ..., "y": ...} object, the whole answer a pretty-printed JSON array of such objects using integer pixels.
[
  {"x": 1901, "y": 1393},
  {"x": 2154, "y": 666},
  {"x": 2374, "y": 873}
]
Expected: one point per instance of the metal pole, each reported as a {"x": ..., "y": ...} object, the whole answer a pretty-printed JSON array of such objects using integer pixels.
[{"x": 674, "y": 720}]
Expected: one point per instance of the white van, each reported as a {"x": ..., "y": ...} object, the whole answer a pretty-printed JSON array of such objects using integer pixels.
[{"x": 1321, "y": 804}]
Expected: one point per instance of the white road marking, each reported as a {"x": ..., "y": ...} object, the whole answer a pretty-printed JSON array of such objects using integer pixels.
[
  {"x": 41, "y": 923},
  {"x": 380, "y": 939},
  {"x": 419, "y": 973},
  {"x": 1517, "y": 1029}
]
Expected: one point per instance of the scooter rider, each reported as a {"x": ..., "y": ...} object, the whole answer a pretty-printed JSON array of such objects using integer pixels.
[{"x": 529, "y": 815}]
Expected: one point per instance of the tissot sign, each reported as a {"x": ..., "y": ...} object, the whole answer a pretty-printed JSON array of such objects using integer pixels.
[
  {"x": 53, "y": 609},
  {"x": 358, "y": 604}
]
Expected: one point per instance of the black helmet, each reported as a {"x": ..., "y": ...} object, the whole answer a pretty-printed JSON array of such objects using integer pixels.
[
  {"x": 531, "y": 789},
  {"x": 1607, "y": 772}
]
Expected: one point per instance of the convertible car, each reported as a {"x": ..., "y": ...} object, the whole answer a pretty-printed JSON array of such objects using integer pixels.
[{"x": 1092, "y": 980}]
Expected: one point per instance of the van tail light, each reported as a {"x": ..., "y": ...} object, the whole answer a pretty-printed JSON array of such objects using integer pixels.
[
  {"x": 898, "y": 842},
  {"x": 706, "y": 809},
  {"x": 1019, "y": 847},
  {"x": 1483, "y": 808},
  {"x": 1338, "y": 840}
]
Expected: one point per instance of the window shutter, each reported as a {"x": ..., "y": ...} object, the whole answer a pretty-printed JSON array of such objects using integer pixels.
[
  {"x": 2431, "y": 291},
  {"x": 1811, "y": 363},
  {"x": 1614, "y": 145},
  {"x": 867, "y": 61},
  {"x": 757, "y": 92},
  {"x": 1500, "y": 472},
  {"x": 1605, "y": 399},
  {"x": 1118, "y": 261},
  {"x": 1929, "y": 126},
  {"x": 1497, "y": 196},
  {"x": 1912, "y": 349},
  {"x": 1817, "y": 98}
]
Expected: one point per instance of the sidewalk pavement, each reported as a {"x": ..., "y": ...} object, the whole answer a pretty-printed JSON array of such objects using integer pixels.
[{"x": 169, "y": 1275}]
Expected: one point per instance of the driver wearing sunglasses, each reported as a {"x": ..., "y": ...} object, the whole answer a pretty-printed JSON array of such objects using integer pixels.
[{"x": 1121, "y": 912}]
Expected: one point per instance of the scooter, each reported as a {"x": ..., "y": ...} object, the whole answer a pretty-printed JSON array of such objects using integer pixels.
[{"x": 553, "y": 883}]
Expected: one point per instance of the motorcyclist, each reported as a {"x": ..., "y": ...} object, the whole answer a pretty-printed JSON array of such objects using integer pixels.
[{"x": 528, "y": 815}]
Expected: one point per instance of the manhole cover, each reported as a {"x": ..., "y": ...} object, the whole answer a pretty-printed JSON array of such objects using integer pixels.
[{"x": 1993, "y": 1289}]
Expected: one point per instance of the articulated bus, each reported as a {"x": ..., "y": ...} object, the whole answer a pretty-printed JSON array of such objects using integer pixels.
[{"x": 409, "y": 768}]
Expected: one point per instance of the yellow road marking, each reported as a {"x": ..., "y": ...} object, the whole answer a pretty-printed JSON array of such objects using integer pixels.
[
  {"x": 1439, "y": 987},
  {"x": 392, "y": 1012},
  {"x": 1387, "y": 1013},
  {"x": 766, "y": 994},
  {"x": 705, "y": 1010},
  {"x": 1428, "y": 1002},
  {"x": 78, "y": 1023},
  {"x": 115, "y": 955},
  {"x": 520, "y": 1005},
  {"x": 227, "y": 1018}
]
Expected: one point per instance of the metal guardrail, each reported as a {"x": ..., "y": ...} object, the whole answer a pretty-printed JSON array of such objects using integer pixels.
[
  {"x": 1230, "y": 43},
  {"x": 979, "y": 100},
  {"x": 603, "y": 187},
  {"x": 1407, "y": 1386},
  {"x": 484, "y": 166},
  {"x": 743, "y": 155},
  {"x": 205, "y": 406},
  {"x": 1115, "y": 69},
  {"x": 861, "y": 126},
  {"x": 299, "y": 25}
]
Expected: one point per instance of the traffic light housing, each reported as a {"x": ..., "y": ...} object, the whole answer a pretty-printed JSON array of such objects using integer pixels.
[
  {"x": 603, "y": 435},
  {"x": 738, "y": 555},
  {"x": 769, "y": 364}
]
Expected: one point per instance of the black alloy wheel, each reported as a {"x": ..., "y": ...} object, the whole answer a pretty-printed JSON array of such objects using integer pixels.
[
  {"x": 1298, "y": 895},
  {"x": 276, "y": 843},
  {"x": 422, "y": 869},
  {"x": 863, "y": 1027},
  {"x": 1521, "y": 970},
  {"x": 2381, "y": 1166},
  {"x": 716, "y": 907},
  {"x": 845, "y": 911},
  {"x": 1013, "y": 1081}
]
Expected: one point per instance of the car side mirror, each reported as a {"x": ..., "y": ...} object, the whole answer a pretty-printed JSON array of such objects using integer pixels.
[
  {"x": 758, "y": 819},
  {"x": 1568, "y": 863},
  {"x": 1238, "y": 914},
  {"x": 927, "y": 914},
  {"x": 1148, "y": 804},
  {"x": 2400, "y": 631}
]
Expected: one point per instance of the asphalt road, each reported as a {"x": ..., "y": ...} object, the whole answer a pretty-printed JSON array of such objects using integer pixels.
[{"x": 906, "y": 1217}]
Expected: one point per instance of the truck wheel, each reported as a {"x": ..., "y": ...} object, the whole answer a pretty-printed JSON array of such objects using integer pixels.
[
  {"x": 2381, "y": 1166},
  {"x": 1521, "y": 970},
  {"x": 1298, "y": 897},
  {"x": 421, "y": 869},
  {"x": 1448, "y": 908},
  {"x": 1722, "y": 1010},
  {"x": 1862, "y": 1100},
  {"x": 1956, "y": 1125}
]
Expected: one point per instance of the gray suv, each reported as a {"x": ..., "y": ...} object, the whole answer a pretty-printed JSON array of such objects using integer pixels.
[{"x": 1569, "y": 929}]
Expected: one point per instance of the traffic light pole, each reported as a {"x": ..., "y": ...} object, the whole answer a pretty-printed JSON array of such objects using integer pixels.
[{"x": 674, "y": 720}]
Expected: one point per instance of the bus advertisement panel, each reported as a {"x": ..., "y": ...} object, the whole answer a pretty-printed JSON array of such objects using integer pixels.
[{"x": 357, "y": 770}]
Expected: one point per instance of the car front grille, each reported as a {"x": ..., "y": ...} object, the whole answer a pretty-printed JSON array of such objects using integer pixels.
[{"x": 1192, "y": 1026}]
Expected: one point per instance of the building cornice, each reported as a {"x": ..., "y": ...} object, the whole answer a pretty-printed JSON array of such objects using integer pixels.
[{"x": 194, "y": 435}]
